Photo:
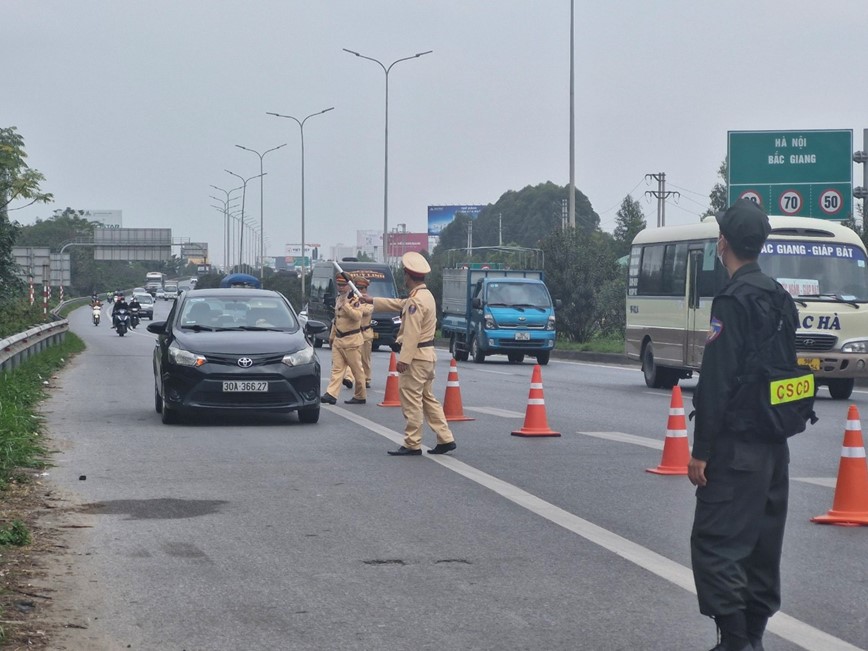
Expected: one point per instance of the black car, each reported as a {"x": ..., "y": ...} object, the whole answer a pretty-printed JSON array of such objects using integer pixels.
[{"x": 235, "y": 350}]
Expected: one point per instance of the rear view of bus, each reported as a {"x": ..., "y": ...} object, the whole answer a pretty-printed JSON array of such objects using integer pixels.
[{"x": 674, "y": 274}]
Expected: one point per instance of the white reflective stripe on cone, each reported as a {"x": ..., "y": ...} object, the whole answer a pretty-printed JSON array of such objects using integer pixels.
[
  {"x": 676, "y": 432},
  {"x": 854, "y": 425},
  {"x": 853, "y": 453},
  {"x": 536, "y": 401},
  {"x": 536, "y": 385},
  {"x": 676, "y": 411}
]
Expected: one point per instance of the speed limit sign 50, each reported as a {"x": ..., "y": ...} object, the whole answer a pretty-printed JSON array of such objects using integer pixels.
[{"x": 831, "y": 201}]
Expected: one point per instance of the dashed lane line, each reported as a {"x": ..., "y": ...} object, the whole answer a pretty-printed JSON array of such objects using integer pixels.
[
  {"x": 794, "y": 630},
  {"x": 494, "y": 411}
]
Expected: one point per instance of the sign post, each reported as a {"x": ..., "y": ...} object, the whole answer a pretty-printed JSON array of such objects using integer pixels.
[{"x": 795, "y": 173}]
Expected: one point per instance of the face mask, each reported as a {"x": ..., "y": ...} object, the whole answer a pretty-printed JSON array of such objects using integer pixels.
[{"x": 720, "y": 256}]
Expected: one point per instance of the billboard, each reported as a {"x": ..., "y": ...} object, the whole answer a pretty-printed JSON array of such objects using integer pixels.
[
  {"x": 105, "y": 218},
  {"x": 401, "y": 243},
  {"x": 439, "y": 217},
  {"x": 146, "y": 244}
]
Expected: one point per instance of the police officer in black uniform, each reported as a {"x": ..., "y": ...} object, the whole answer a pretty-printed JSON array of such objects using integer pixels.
[{"x": 742, "y": 477}]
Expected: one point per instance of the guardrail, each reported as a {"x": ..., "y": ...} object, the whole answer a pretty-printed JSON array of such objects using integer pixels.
[{"x": 20, "y": 347}]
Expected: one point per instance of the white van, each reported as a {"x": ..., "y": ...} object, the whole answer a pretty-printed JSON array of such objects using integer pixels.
[{"x": 674, "y": 275}]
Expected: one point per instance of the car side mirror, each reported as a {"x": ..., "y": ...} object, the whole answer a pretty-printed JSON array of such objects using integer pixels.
[
  {"x": 314, "y": 327},
  {"x": 477, "y": 303},
  {"x": 158, "y": 327}
]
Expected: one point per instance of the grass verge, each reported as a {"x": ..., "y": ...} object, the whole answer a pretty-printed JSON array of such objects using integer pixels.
[
  {"x": 599, "y": 344},
  {"x": 21, "y": 449}
]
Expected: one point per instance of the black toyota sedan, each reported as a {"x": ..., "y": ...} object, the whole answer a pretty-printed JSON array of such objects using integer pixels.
[{"x": 235, "y": 350}]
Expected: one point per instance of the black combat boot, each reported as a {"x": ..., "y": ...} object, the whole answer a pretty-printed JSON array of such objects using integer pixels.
[
  {"x": 756, "y": 626},
  {"x": 733, "y": 632}
]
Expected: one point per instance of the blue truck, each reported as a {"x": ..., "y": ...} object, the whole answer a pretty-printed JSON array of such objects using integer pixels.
[{"x": 489, "y": 311}]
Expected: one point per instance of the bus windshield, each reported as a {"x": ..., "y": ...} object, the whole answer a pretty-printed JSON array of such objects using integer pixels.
[{"x": 818, "y": 270}]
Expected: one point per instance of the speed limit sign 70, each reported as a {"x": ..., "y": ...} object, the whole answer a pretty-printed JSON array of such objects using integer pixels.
[
  {"x": 831, "y": 201},
  {"x": 790, "y": 202}
]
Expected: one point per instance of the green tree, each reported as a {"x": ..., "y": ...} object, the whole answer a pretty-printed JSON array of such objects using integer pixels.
[
  {"x": 718, "y": 195},
  {"x": 580, "y": 267},
  {"x": 628, "y": 222}
]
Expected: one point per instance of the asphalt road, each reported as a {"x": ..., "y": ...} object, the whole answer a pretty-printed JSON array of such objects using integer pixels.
[{"x": 262, "y": 533}]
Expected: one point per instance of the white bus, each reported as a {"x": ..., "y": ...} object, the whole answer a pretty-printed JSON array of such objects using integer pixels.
[{"x": 674, "y": 274}]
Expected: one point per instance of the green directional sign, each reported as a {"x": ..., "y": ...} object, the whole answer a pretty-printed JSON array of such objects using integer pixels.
[{"x": 797, "y": 173}]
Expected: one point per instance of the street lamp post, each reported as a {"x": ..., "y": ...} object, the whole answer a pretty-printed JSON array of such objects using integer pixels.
[
  {"x": 301, "y": 129},
  {"x": 386, "y": 165},
  {"x": 225, "y": 222},
  {"x": 261, "y": 202},
  {"x": 243, "y": 197}
]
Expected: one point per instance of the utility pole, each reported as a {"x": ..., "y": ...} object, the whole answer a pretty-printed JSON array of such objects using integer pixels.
[
  {"x": 499, "y": 229},
  {"x": 861, "y": 192},
  {"x": 661, "y": 194},
  {"x": 469, "y": 237}
]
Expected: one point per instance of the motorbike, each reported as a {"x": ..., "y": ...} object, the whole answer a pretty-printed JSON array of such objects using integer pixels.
[
  {"x": 122, "y": 321},
  {"x": 96, "y": 315},
  {"x": 134, "y": 317}
]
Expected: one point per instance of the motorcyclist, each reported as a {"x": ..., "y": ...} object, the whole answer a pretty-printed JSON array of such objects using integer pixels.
[
  {"x": 135, "y": 305},
  {"x": 120, "y": 304}
]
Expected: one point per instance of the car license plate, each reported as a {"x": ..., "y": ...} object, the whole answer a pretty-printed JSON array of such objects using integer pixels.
[
  {"x": 245, "y": 387},
  {"x": 811, "y": 362},
  {"x": 522, "y": 336}
]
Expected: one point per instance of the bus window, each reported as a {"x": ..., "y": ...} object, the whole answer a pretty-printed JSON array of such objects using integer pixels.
[
  {"x": 651, "y": 270},
  {"x": 663, "y": 270}
]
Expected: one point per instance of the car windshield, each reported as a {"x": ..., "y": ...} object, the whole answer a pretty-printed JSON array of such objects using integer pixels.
[
  {"x": 237, "y": 313},
  {"x": 518, "y": 294},
  {"x": 817, "y": 270}
]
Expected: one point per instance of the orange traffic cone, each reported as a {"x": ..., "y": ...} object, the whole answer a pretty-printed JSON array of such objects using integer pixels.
[
  {"x": 535, "y": 421},
  {"x": 850, "y": 505},
  {"x": 452, "y": 406},
  {"x": 392, "y": 397},
  {"x": 676, "y": 452}
]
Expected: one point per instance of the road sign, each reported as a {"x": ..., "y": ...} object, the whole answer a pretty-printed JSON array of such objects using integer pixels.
[{"x": 801, "y": 173}]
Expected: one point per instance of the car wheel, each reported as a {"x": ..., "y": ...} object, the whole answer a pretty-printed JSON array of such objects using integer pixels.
[
  {"x": 158, "y": 401},
  {"x": 396, "y": 348},
  {"x": 309, "y": 415},
  {"x": 516, "y": 358},
  {"x": 841, "y": 389},
  {"x": 543, "y": 358}
]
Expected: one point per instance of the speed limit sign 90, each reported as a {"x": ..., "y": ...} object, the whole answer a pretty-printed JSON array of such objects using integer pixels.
[
  {"x": 790, "y": 202},
  {"x": 752, "y": 195},
  {"x": 831, "y": 201}
]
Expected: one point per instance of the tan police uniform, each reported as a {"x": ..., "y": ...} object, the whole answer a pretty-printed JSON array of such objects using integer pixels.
[
  {"x": 416, "y": 336},
  {"x": 367, "y": 329},
  {"x": 346, "y": 341}
]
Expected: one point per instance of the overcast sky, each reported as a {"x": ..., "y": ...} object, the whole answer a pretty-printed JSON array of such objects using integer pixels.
[{"x": 137, "y": 105}]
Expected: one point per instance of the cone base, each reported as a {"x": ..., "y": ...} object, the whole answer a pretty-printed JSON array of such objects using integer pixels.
[
  {"x": 843, "y": 519},
  {"x": 535, "y": 432},
  {"x": 388, "y": 404},
  {"x": 668, "y": 470}
]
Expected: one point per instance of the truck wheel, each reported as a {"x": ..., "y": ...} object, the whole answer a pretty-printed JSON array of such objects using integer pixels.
[
  {"x": 543, "y": 358},
  {"x": 395, "y": 348},
  {"x": 476, "y": 353},
  {"x": 840, "y": 389},
  {"x": 516, "y": 358}
]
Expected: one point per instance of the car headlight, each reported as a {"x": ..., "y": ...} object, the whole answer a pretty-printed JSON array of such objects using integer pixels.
[
  {"x": 550, "y": 324},
  {"x": 860, "y": 346},
  {"x": 490, "y": 323},
  {"x": 300, "y": 357},
  {"x": 183, "y": 357}
]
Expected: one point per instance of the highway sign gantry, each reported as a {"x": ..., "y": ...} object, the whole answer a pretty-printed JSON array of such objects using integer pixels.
[{"x": 800, "y": 173}]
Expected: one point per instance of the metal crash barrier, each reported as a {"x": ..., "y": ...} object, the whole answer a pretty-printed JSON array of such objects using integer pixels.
[{"x": 20, "y": 347}]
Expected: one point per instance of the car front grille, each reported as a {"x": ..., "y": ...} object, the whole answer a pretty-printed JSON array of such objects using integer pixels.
[{"x": 815, "y": 342}]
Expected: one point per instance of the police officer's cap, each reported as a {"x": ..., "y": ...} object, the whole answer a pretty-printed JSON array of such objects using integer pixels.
[
  {"x": 415, "y": 263},
  {"x": 340, "y": 280},
  {"x": 745, "y": 226},
  {"x": 361, "y": 282}
]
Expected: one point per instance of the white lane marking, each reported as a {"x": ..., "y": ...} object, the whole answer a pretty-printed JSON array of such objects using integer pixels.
[
  {"x": 828, "y": 482},
  {"x": 494, "y": 411},
  {"x": 485, "y": 370},
  {"x": 658, "y": 393},
  {"x": 621, "y": 437},
  {"x": 791, "y": 629}
]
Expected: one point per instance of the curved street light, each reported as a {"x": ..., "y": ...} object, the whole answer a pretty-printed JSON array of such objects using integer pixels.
[
  {"x": 261, "y": 202},
  {"x": 301, "y": 128},
  {"x": 243, "y": 197},
  {"x": 225, "y": 222},
  {"x": 386, "y": 165}
]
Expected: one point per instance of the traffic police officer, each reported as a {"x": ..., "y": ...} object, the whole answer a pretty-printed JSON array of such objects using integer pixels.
[
  {"x": 417, "y": 359},
  {"x": 367, "y": 329},
  {"x": 346, "y": 341},
  {"x": 742, "y": 478}
]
